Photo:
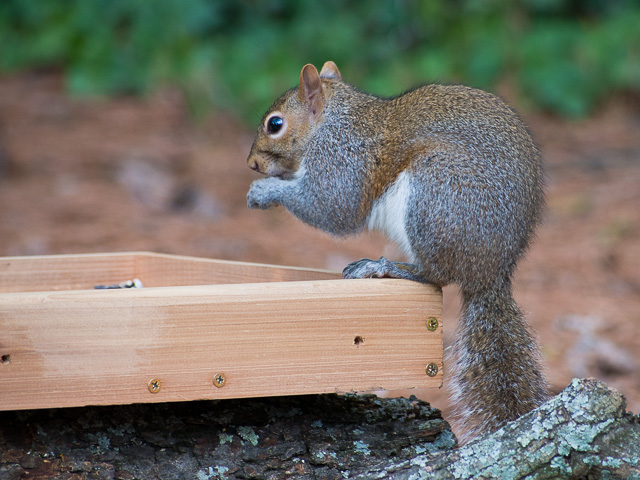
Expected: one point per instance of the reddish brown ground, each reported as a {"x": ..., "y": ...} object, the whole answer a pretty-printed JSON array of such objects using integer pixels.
[{"x": 92, "y": 175}]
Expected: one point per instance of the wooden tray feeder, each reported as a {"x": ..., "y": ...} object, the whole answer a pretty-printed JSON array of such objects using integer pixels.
[{"x": 205, "y": 329}]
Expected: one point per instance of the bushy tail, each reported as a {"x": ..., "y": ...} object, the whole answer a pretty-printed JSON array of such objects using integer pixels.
[{"x": 496, "y": 374}]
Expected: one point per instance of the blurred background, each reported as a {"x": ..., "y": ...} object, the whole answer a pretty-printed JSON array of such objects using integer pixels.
[{"x": 125, "y": 125}]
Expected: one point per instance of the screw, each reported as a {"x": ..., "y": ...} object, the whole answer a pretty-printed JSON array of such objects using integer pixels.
[
  {"x": 219, "y": 380},
  {"x": 154, "y": 385},
  {"x": 432, "y": 369},
  {"x": 432, "y": 324}
]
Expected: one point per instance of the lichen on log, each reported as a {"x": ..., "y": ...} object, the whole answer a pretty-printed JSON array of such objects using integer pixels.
[
  {"x": 584, "y": 432},
  {"x": 315, "y": 436}
]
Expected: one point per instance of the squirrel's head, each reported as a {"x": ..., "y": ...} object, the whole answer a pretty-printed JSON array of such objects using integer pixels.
[{"x": 285, "y": 130}]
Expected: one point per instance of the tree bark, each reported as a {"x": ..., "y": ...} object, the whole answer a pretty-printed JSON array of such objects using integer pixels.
[
  {"x": 584, "y": 432},
  {"x": 307, "y": 437}
]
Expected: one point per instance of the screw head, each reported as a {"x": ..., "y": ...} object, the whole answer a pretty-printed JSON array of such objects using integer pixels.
[
  {"x": 432, "y": 324},
  {"x": 154, "y": 385},
  {"x": 432, "y": 369},
  {"x": 219, "y": 379}
]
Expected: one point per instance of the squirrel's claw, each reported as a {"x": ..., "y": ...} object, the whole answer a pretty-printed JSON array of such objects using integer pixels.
[
  {"x": 382, "y": 268},
  {"x": 360, "y": 269}
]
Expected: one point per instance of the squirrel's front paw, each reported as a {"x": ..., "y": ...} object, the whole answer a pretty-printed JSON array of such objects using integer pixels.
[{"x": 261, "y": 194}]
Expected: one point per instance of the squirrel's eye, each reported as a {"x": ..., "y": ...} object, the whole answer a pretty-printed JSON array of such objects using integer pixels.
[{"x": 274, "y": 124}]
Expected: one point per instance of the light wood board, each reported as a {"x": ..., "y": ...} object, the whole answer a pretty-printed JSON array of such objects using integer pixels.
[
  {"x": 75, "y": 272},
  {"x": 99, "y": 347}
]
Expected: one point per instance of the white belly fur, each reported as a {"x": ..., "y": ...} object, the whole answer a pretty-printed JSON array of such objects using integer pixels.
[{"x": 389, "y": 211}]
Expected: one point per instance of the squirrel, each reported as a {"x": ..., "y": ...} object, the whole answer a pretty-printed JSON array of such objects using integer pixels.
[{"x": 452, "y": 175}]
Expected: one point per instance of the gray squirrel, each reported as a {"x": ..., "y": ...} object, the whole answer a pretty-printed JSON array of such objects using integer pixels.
[{"x": 453, "y": 176}]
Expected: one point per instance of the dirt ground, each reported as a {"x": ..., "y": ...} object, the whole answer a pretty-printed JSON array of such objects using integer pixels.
[{"x": 129, "y": 174}]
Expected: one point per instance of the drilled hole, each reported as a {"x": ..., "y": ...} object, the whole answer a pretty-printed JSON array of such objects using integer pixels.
[
  {"x": 358, "y": 340},
  {"x": 5, "y": 359}
]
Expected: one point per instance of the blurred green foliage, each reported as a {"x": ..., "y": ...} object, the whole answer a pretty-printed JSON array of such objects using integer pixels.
[{"x": 560, "y": 55}]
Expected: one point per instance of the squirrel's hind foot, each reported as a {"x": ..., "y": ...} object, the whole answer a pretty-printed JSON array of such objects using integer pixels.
[{"x": 382, "y": 268}]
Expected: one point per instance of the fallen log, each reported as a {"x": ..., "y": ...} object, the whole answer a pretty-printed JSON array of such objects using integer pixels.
[
  {"x": 314, "y": 436},
  {"x": 584, "y": 432}
]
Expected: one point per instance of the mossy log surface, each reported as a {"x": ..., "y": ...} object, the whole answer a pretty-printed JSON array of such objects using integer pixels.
[
  {"x": 584, "y": 432},
  {"x": 314, "y": 436}
]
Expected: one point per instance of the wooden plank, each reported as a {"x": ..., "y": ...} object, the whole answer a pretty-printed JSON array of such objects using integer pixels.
[
  {"x": 72, "y": 348},
  {"x": 76, "y": 272},
  {"x": 64, "y": 272},
  {"x": 159, "y": 270}
]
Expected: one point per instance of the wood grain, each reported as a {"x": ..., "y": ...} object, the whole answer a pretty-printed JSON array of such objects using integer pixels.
[
  {"x": 76, "y": 272},
  {"x": 99, "y": 347}
]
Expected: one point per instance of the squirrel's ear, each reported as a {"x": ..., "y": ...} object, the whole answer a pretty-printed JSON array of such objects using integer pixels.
[
  {"x": 310, "y": 89},
  {"x": 330, "y": 70}
]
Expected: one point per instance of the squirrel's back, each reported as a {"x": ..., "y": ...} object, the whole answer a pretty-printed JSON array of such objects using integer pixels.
[{"x": 475, "y": 179}]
